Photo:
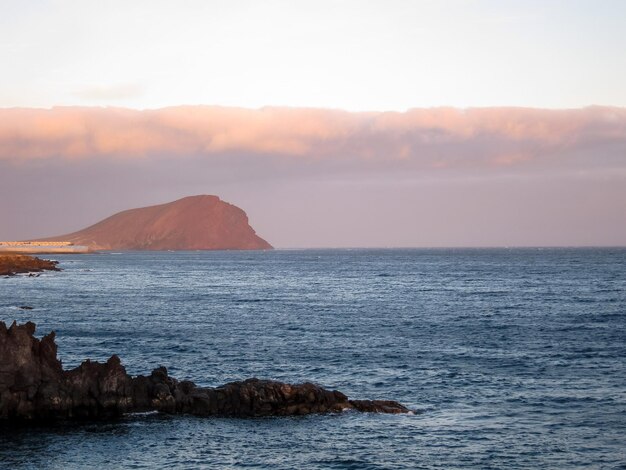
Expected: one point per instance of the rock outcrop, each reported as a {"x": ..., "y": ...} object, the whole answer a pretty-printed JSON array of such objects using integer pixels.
[
  {"x": 34, "y": 386},
  {"x": 11, "y": 264},
  {"x": 191, "y": 223}
]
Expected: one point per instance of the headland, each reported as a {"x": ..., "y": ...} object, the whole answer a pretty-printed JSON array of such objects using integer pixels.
[{"x": 202, "y": 222}]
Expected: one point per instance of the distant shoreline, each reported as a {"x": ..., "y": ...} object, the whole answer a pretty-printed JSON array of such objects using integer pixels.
[
  {"x": 39, "y": 248},
  {"x": 47, "y": 251}
]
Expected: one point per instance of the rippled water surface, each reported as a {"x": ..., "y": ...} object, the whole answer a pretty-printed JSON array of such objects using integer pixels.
[{"x": 512, "y": 358}]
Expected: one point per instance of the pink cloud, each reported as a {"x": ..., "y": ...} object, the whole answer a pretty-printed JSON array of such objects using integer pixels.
[
  {"x": 318, "y": 177},
  {"x": 433, "y": 138}
]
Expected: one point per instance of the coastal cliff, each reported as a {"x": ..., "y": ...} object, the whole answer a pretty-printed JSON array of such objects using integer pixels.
[
  {"x": 34, "y": 386},
  {"x": 192, "y": 223}
]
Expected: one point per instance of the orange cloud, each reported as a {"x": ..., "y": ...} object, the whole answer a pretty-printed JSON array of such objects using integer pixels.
[{"x": 438, "y": 137}]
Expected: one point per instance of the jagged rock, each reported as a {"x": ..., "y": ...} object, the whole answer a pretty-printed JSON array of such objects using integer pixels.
[
  {"x": 34, "y": 386},
  {"x": 11, "y": 264}
]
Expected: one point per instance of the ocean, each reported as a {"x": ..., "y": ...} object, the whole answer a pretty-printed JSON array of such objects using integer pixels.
[{"x": 511, "y": 358}]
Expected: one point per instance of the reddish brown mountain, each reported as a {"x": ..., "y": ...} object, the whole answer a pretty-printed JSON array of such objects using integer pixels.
[{"x": 191, "y": 223}]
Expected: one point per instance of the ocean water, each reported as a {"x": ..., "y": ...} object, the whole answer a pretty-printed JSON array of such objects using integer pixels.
[{"x": 511, "y": 358}]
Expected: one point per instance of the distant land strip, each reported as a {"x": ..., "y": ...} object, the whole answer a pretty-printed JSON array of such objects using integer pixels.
[{"x": 41, "y": 247}]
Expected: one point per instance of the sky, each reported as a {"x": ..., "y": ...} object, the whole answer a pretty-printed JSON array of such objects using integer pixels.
[
  {"x": 349, "y": 54},
  {"x": 333, "y": 124}
]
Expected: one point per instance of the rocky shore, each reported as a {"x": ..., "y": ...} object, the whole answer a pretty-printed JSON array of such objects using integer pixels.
[
  {"x": 11, "y": 264},
  {"x": 34, "y": 386}
]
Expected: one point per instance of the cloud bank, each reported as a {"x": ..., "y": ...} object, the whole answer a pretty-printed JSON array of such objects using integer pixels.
[
  {"x": 428, "y": 138},
  {"x": 326, "y": 178}
]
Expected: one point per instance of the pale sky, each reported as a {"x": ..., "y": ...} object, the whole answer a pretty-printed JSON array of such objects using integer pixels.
[{"x": 350, "y": 54}]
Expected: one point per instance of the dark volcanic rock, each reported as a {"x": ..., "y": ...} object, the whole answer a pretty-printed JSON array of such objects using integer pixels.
[
  {"x": 15, "y": 264},
  {"x": 34, "y": 386}
]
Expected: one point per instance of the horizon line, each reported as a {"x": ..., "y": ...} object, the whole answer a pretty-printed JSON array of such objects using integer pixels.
[{"x": 442, "y": 247}]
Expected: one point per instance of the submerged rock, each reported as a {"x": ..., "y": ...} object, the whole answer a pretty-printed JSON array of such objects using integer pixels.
[{"x": 34, "y": 386}]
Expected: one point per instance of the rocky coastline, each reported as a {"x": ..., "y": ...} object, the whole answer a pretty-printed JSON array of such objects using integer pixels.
[
  {"x": 34, "y": 387},
  {"x": 11, "y": 264}
]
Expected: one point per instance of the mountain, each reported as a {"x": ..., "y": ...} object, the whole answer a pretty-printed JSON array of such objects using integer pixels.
[{"x": 191, "y": 223}]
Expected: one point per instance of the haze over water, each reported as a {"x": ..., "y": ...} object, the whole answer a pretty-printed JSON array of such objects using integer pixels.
[{"x": 511, "y": 358}]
